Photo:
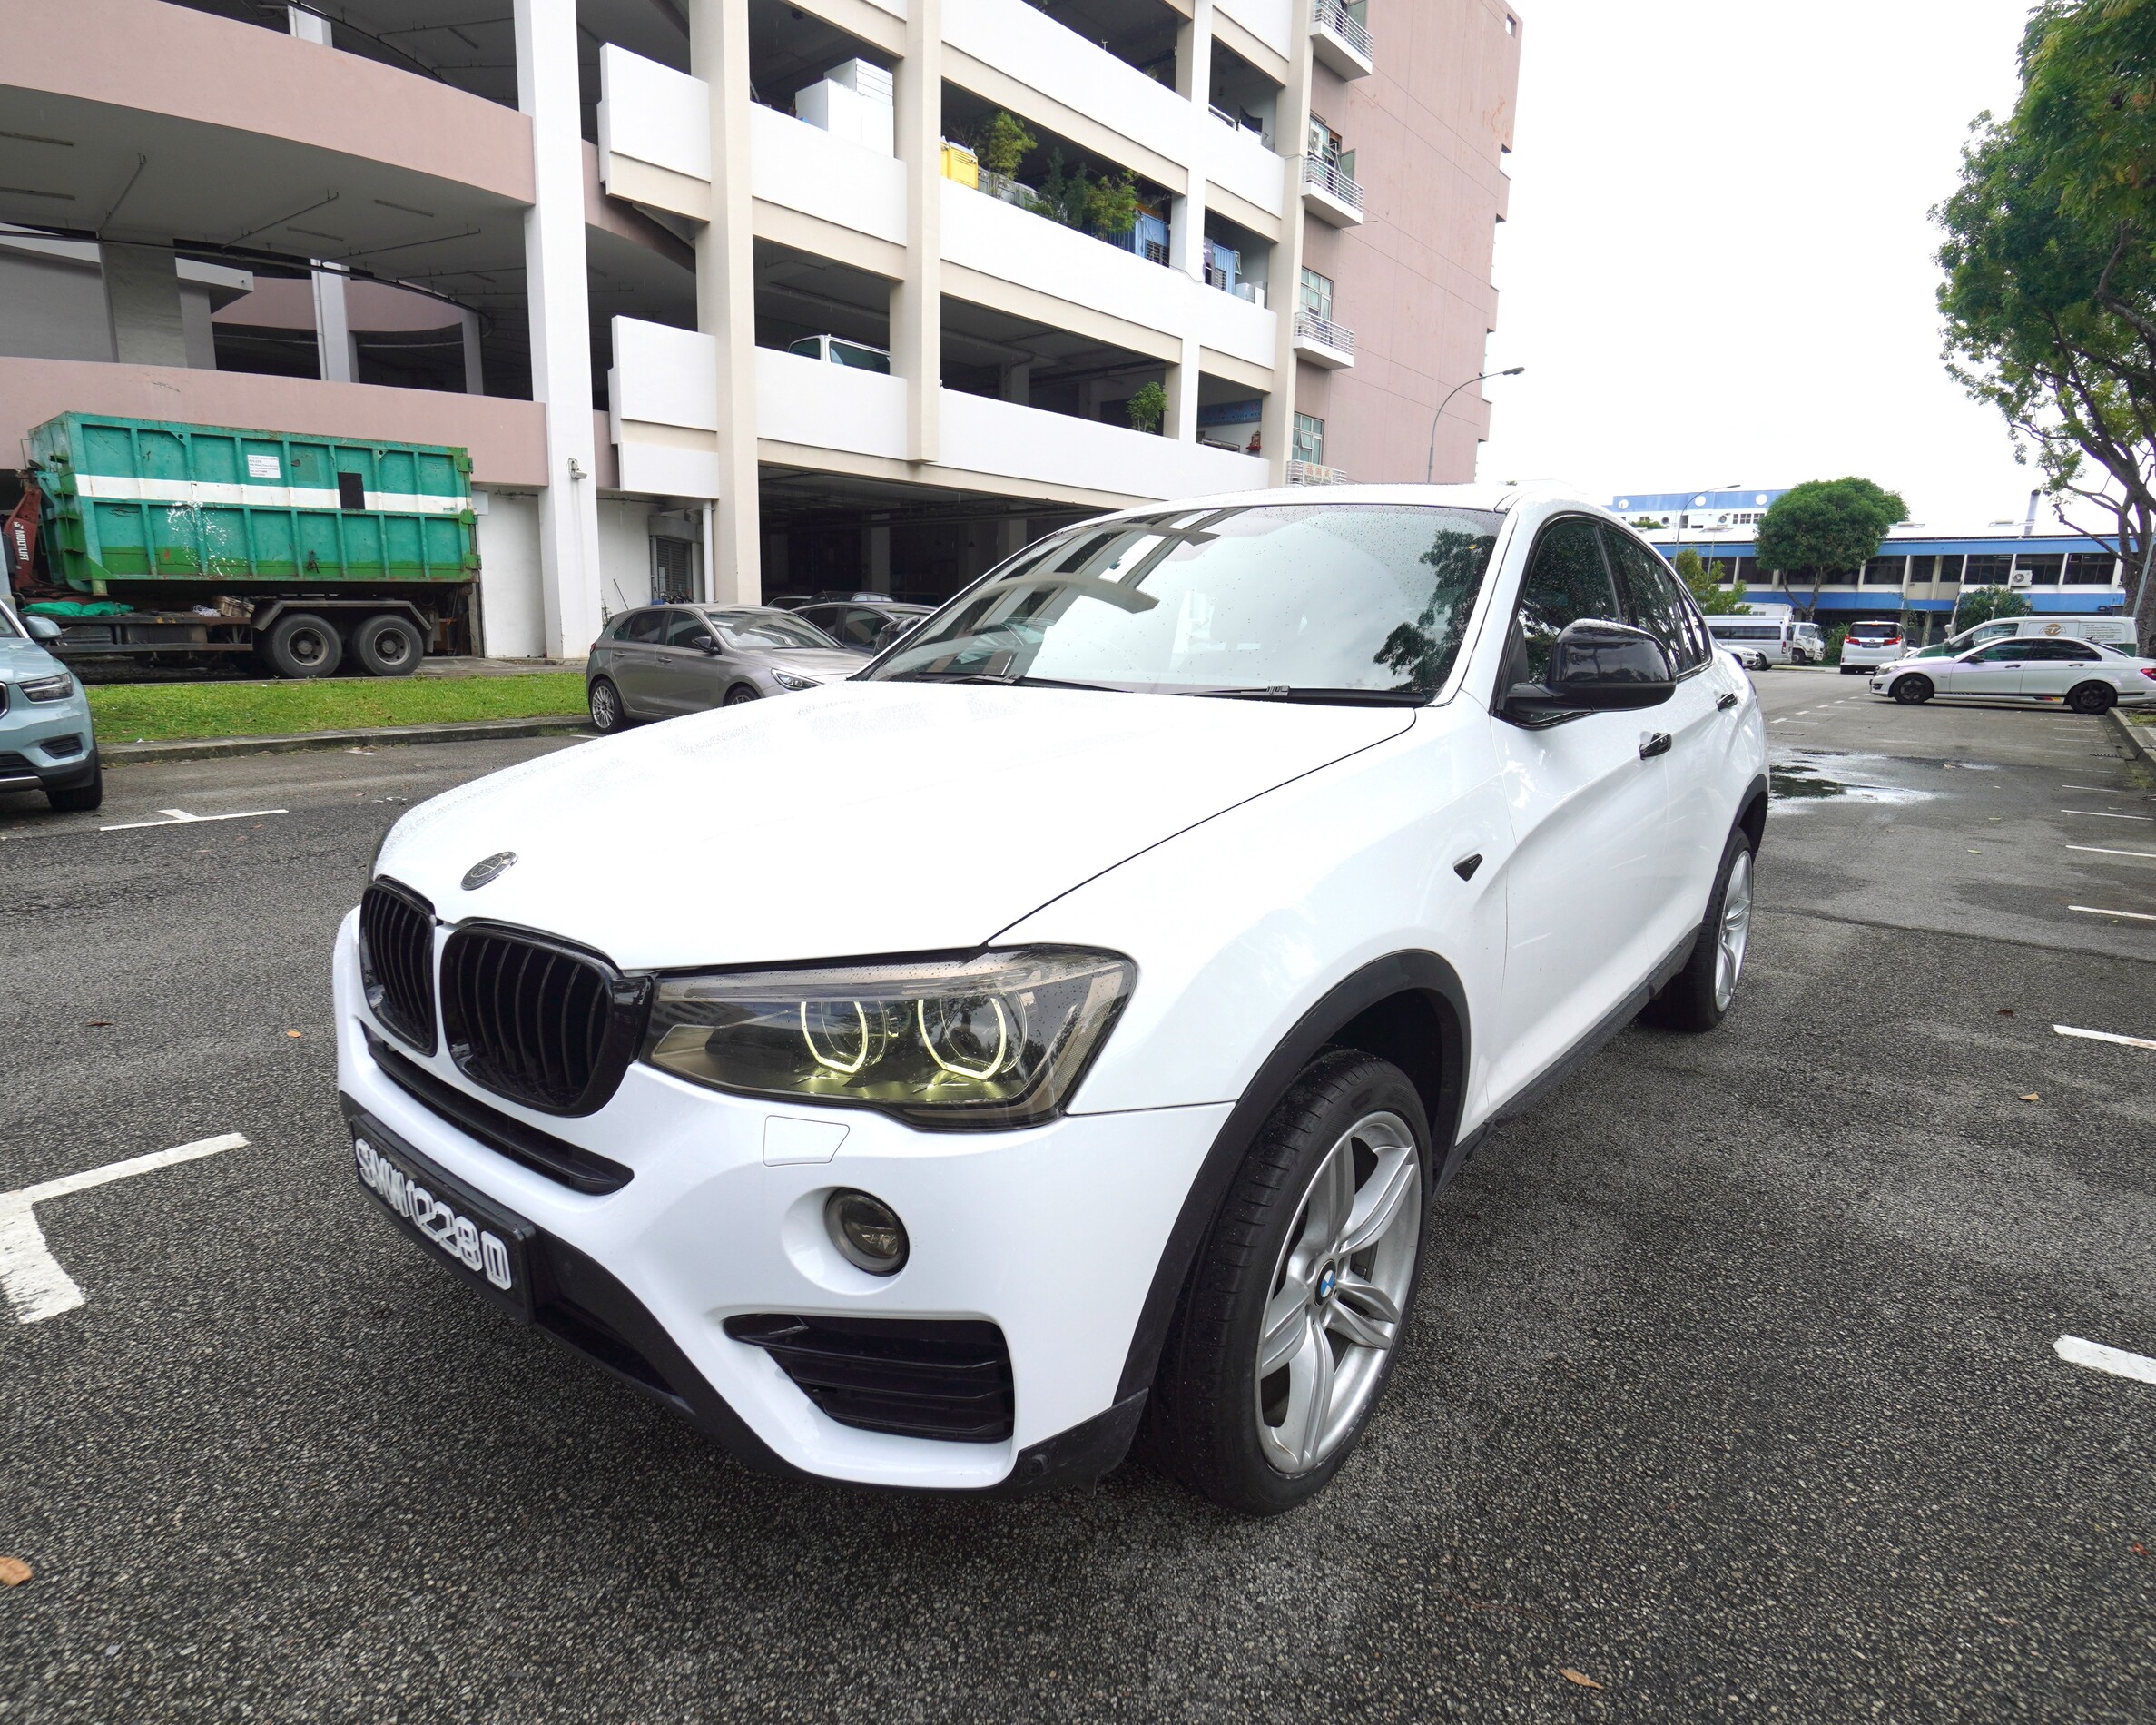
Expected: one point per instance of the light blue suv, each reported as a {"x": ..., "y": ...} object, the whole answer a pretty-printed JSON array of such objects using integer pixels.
[{"x": 46, "y": 740}]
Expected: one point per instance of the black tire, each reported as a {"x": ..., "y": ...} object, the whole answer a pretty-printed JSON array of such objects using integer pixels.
[
  {"x": 78, "y": 799},
  {"x": 1203, "y": 1414},
  {"x": 740, "y": 693},
  {"x": 1850, "y": 670},
  {"x": 1911, "y": 690},
  {"x": 608, "y": 716},
  {"x": 1692, "y": 1000},
  {"x": 301, "y": 645},
  {"x": 388, "y": 645},
  {"x": 2091, "y": 697}
]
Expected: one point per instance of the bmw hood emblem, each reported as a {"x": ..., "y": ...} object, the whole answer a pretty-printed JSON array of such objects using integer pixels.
[
  {"x": 1324, "y": 1283},
  {"x": 489, "y": 868}
]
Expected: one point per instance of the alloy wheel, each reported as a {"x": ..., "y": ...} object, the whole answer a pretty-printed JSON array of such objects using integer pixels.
[
  {"x": 1338, "y": 1293},
  {"x": 1734, "y": 930},
  {"x": 604, "y": 712}
]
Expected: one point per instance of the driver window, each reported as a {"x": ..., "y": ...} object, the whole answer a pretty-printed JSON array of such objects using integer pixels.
[
  {"x": 2001, "y": 653},
  {"x": 1567, "y": 580},
  {"x": 682, "y": 627}
]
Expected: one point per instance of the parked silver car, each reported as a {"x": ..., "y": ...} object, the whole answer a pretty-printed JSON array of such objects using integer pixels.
[{"x": 669, "y": 659}]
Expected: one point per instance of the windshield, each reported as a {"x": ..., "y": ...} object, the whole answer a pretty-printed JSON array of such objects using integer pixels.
[
  {"x": 8, "y": 626},
  {"x": 768, "y": 629},
  {"x": 1342, "y": 601}
]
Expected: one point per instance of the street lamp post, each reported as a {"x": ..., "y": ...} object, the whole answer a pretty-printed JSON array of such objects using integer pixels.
[{"x": 1429, "y": 466}]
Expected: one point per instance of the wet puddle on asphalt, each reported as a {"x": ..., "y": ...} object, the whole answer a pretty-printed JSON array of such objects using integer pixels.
[{"x": 1813, "y": 775}]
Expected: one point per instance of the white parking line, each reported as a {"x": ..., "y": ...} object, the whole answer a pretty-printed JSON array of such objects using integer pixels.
[
  {"x": 2097, "y": 1357},
  {"x": 2104, "y": 815},
  {"x": 2139, "y": 916},
  {"x": 2100, "y": 850},
  {"x": 179, "y": 817},
  {"x": 2106, "y": 1036},
  {"x": 31, "y": 1276}
]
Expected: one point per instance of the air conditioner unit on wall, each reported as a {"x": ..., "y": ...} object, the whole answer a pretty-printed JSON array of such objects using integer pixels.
[{"x": 2020, "y": 578}]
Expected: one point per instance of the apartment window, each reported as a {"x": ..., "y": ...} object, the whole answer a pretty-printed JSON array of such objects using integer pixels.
[
  {"x": 1328, "y": 147},
  {"x": 1317, "y": 294},
  {"x": 2043, "y": 571},
  {"x": 2091, "y": 568},
  {"x": 1950, "y": 569},
  {"x": 1883, "y": 572},
  {"x": 1309, "y": 440},
  {"x": 1988, "y": 571}
]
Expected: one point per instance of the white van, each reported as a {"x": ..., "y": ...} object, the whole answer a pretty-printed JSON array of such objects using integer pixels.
[
  {"x": 2115, "y": 631},
  {"x": 1776, "y": 638}
]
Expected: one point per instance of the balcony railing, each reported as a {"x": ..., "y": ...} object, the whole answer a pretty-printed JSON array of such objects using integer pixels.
[
  {"x": 1339, "y": 39},
  {"x": 1325, "y": 333},
  {"x": 1310, "y": 473},
  {"x": 1338, "y": 198}
]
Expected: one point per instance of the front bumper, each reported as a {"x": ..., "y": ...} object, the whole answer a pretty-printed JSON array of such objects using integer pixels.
[
  {"x": 1052, "y": 1233},
  {"x": 47, "y": 744}
]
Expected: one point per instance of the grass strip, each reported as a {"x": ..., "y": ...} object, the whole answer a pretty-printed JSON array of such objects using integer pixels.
[{"x": 170, "y": 711}]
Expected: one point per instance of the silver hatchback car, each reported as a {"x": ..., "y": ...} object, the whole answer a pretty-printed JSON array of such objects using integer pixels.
[{"x": 669, "y": 659}]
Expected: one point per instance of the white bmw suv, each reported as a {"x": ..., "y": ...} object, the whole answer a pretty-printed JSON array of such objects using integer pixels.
[{"x": 1065, "y": 1023}]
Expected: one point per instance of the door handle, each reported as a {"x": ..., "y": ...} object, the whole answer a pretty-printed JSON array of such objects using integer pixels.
[
  {"x": 1654, "y": 743},
  {"x": 1726, "y": 703}
]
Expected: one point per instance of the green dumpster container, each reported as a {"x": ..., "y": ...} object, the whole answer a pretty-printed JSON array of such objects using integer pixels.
[{"x": 147, "y": 500}]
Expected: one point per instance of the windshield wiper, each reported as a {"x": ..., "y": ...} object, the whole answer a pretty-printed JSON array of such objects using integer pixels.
[
  {"x": 1319, "y": 696},
  {"x": 998, "y": 681}
]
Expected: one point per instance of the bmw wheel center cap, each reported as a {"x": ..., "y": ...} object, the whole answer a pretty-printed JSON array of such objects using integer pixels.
[
  {"x": 1325, "y": 1281},
  {"x": 489, "y": 868}
]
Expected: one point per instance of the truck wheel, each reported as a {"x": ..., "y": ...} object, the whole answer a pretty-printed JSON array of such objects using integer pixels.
[
  {"x": 302, "y": 644},
  {"x": 388, "y": 645}
]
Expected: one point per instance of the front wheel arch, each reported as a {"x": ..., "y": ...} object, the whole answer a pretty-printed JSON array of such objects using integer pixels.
[{"x": 1375, "y": 1002}]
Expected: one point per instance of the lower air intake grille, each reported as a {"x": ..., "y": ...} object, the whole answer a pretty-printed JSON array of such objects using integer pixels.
[
  {"x": 913, "y": 1377},
  {"x": 397, "y": 961},
  {"x": 537, "y": 1020}
]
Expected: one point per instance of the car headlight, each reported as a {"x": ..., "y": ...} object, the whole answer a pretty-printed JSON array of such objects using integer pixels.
[
  {"x": 790, "y": 680},
  {"x": 48, "y": 688},
  {"x": 994, "y": 1041}
]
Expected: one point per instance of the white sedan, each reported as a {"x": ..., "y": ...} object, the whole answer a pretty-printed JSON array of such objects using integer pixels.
[{"x": 2035, "y": 670}]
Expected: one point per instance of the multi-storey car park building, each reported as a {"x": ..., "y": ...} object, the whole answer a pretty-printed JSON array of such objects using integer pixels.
[
  {"x": 735, "y": 298},
  {"x": 1917, "y": 578}
]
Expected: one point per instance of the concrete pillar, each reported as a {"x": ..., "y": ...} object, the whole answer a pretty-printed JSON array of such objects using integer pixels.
[
  {"x": 917, "y": 303},
  {"x": 142, "y": 303},
  {"x": 1181, "y": 421},
  {"x": 1291, "y": 124},
  {"x": 1017, "y": 382},
  {"x": 726, "y": 292},
  {"x": 1193, "y": 83},
  {"x": 337, "y": 356},
  {"x": 1010, "y": 536},
  {"x": 879, "y": 537},
  {"x": 560, "y": 308},
  {"x": 475, "y": 369}
]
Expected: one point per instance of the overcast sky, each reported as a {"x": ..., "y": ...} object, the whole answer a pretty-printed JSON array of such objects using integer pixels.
[{"x": 1718, "y": 264}]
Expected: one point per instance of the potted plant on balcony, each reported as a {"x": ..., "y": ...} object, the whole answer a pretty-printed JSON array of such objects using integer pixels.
[{"x": 1147, "y": 408}]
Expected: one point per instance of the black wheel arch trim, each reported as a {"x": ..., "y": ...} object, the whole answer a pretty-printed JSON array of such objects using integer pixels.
[{"x": 1405, "y": 973}]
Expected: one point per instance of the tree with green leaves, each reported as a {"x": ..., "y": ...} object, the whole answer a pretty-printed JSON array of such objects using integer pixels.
[
  {"x": 1825, "y": 530},
  {"x": 1111, "y": 205},
  {"x": 1003, "y": 143},
  {"x": 2050, "y": 261},
  {"x": 1713, "y": 599},
  {"x": 1147, "y": 408},
  {"x": 1985, "y": 604}
]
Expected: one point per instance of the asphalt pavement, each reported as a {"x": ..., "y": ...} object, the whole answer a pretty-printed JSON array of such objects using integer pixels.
[{"x": 1732, "y": 1389}]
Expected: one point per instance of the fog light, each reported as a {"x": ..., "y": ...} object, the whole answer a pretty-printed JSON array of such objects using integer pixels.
[{"x": 867, "y": 1231}]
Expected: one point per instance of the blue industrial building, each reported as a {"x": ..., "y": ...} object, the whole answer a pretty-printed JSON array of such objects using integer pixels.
[{"x": 1918, "y": 576}]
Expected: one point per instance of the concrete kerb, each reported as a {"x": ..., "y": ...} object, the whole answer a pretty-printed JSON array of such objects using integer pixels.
[
  {"x": 218, "y": 747},
  {"x": 2142, "y": 736}
]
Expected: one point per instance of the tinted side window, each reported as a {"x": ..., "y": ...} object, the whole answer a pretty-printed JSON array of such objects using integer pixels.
[
  {"x": 857, "y": 628},
  {"x": 1566, "y": 581},
  {"x": 683, "y": 627},
  {"x": 641, "y": 626},
  {"x": 2059, "y": 650},
  {"x": 1659, "y": 603}
]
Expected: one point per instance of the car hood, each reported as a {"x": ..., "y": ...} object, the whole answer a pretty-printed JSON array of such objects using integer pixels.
[
  {"x": 826, "y": 665},
  {"x": 21, "y": 658},
  {"x": 860, "y": 819}
]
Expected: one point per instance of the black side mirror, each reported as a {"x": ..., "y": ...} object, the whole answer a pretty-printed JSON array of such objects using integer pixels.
[
  {"x": 1596, "y": 667},
  {"x": 704, "y": 643}
]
